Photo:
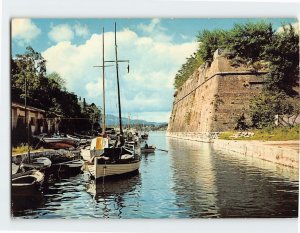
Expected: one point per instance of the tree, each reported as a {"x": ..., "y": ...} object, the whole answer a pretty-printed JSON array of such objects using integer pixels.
[
  {"x": 209, "y": 42},
  {"x": 47, "y": 92},
  {"x": 279, "y": 96},
  {"x": 93, "y": 114},
  {"x": 283, "y": 56},
  {"x": 56, "y": 80},
  {"x": 30, "y": 66},
  {"x": 187, "y": 70},
  {"x": 249, "y": 40},
  {"x": 267, "y": 105}
]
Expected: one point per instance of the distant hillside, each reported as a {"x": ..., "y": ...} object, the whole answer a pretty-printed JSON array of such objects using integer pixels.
[{"x": 112, "y": 120}]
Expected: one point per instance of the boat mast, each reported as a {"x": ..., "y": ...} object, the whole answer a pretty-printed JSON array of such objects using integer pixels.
[
  {"x": 103, "y": 85},
  {"x": 26, "y": 121},
  {"x": 117, "y": 69}
]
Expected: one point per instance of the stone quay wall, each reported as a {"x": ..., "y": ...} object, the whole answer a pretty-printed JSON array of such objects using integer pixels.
[{"x": 263, "y": 150}]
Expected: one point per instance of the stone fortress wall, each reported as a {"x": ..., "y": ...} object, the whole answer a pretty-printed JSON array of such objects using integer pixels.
[{"x": 214, "y": 97}]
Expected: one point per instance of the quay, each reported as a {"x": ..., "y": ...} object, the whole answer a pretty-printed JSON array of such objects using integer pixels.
[{"x": 280, "y": 152}]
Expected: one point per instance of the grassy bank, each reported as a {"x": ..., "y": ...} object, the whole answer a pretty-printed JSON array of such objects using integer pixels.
[
  {"x": 21, "y": 149},
  {"x": 266, "y": 134}
]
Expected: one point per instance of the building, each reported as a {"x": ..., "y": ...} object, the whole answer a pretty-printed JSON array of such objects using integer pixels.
[{"x": 36, "y": 118}]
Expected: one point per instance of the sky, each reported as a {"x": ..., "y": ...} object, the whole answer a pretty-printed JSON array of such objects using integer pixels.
[{"x": 155, "y": 47}]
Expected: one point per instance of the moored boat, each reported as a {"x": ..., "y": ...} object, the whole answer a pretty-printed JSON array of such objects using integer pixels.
[
  {"x": 68, "y": 168},
  {"x": 40, "y": 163},
  {"x": 149, "y": 149},
  {"x": 27, "y": 182},
  {"x": 144, "y": 136},
  {"x": 59, "y": 139},
  {"x": 117, "y": 159}
]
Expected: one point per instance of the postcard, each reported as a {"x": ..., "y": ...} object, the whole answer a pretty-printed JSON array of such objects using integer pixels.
[{"x": 154, "y": 118}]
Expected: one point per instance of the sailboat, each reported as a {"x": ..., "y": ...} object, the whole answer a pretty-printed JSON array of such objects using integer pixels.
[{"x": 118, "y": 159}]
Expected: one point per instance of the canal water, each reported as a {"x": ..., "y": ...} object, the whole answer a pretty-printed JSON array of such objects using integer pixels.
[{"x": 192, "y": 180}]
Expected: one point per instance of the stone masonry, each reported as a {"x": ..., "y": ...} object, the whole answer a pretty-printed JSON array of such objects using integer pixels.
[{"x": 214, "y": 97}]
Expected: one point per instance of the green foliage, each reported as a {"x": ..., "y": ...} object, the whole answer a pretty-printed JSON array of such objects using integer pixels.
[
  {"x": 278, "y": 96},
  {"x": 248, "y": 41},
  {"x": 267, "y": 134},
  {"x": 264, "y": 107},
  {"x": 92, "y": 114},
  {"x": 56, "y": 81},
  {"x": 244, "y": 43},
  {"x": 209, "y": 42},
  {"x": 47, "y": 92},
  {"x": 283, "y": 55},
  {"x": 241, "y": 123},
  {"x": 258, "y": 46},
  {"x": 187, "y": 70}
]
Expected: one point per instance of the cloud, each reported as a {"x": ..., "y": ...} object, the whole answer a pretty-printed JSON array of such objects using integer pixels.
[
  {"x": 81, "y": 30},
  {"x": 153, "y": 26},
  {"x": 294, "y": 25},
  {"x": 24, "y": 30},
  {"x": 147, "y": 88},
  {"x": 61, "y": 32},
  {"x": 155, "y": 30}
]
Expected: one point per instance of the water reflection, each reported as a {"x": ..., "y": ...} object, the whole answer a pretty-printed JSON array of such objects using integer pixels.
[
  {"x": 210, "y": 183},
  {"x": 192, "y": 180},
  {"x": 113, "y": 186},
  {"x": 111, "y": 195},
  {"x": 194, "y": 177},
  {"x": 250, "y": 187},
  {"x": 26, "y": 204}
]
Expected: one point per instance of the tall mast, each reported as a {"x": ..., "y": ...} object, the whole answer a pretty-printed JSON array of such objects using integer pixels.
[
  {"x": 103, "y": 85},
  {"x": 26, "y": 119},
  {"x": 117, "y": 69}
]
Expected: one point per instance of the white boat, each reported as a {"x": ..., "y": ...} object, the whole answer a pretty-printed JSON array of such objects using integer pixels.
[
  {"x": 106, "y": 169},
  {"x": 117, "y": 159},
  {"x": 111, "y": 161}
]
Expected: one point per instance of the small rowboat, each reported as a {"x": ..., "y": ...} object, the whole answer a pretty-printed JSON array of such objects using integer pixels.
[
  {"x": 27, "y": 182},
  {"x": 150, "y": 149}
]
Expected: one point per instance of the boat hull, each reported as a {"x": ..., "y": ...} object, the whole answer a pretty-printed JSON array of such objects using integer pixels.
[
  {"x": 69, "y": 168},
  {"x": 149, "y": 150},
  {"x": 27, "y": 182},
  {"x": 104, "y": 170}
]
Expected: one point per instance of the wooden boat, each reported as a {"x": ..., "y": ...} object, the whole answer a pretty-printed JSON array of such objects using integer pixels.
[
  {"x": 112, "y": 161},
  {"x": 116, "y": 161},
  {"x": 68, "y": 168},
  {"x": 144, "y": 136},
  {"x": 60, "y": 139},
  {"x": 149, "y": 149},
  {"x": 27, "y": 182},
  {"x": 40, "y": 163}
]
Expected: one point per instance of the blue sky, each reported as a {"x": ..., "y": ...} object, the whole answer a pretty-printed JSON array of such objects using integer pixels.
[{"x": 156, "y": 49}]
